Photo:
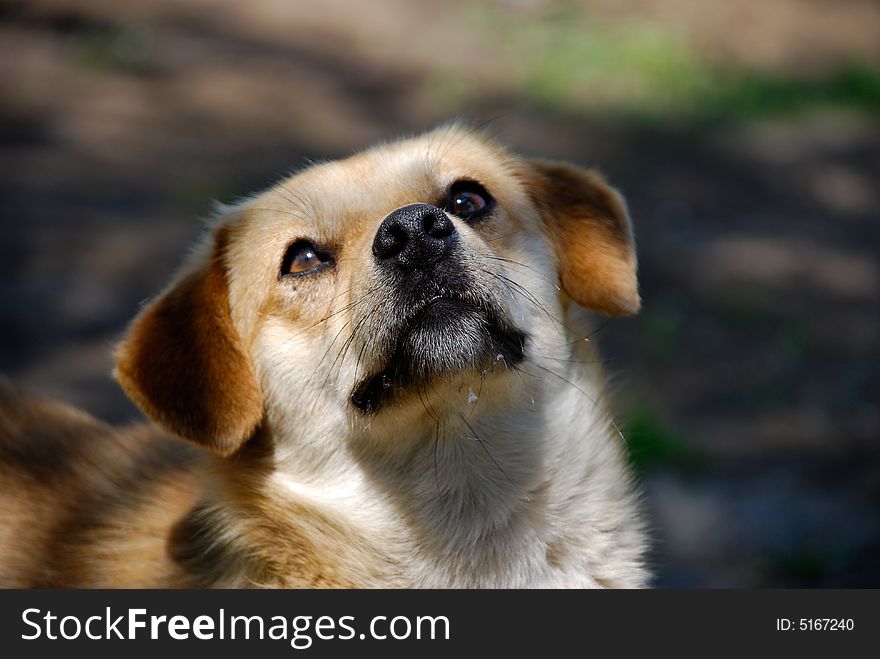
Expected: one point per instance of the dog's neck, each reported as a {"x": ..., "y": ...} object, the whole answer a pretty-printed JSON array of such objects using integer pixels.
[{"x": 514, "y": 495}]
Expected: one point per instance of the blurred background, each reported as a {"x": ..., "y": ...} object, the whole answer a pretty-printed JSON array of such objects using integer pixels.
[{"x": 745, "y": 134}]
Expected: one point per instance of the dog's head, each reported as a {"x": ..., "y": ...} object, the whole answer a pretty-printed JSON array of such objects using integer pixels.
[{"x": 378, "y": 288}]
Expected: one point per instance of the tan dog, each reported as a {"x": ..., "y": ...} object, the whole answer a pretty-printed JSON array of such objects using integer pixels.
[{"x": 383, "y": 359}]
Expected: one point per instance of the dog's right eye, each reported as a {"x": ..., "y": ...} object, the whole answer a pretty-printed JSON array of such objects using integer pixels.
[{"x": 303, "y": 258}]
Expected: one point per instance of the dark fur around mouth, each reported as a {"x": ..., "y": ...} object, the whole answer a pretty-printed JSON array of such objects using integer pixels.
[{"x": 446, "y": 336}]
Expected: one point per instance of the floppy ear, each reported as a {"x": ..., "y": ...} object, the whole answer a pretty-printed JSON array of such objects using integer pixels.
[
  {"x": 185, "y": 366},
  {"x": 591, "y": 232}
]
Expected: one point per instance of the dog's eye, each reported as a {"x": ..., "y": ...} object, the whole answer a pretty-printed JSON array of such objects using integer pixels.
[
  {"x": 303, "y": 258},
  {"x": 468, "y": 200}
]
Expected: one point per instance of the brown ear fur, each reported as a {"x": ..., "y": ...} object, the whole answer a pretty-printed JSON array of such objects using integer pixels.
[
  {"x": 184, "y": 365},
  {"x": 591, "y": 232}
]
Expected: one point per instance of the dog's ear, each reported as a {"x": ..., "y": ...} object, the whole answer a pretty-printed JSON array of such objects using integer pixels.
[
  {"x": 591, "y": 233},
  {"x": 184, "y": 364}
]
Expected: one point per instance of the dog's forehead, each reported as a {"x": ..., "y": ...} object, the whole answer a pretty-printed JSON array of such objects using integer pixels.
[{"x": 387, "y": 176}]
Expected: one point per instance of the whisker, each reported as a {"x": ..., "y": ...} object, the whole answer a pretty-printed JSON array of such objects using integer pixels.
[
  {"x": 330, "y": 347},
  {"x": 519, "y": 373},
  {"x": 512, "y": 285},
  {"x": 479, "y": 394},
  {"x": 590, "y": 398},
  {"x": 350, "y": 340},
  {"x": 436, "y": 447},
  {"x": 298, "y": 200},
  {"x": 266, "y": 209},
  {"x": 606, "y": 360},
  {"x": 343, "y": 309},
  {"x": 341, "y": 353},
  {"x": 427, "y": 407},
  {"x": 523, "y": 265},
  {"x": 593, "y": 333},
  {"x": 482, "y": 445}
]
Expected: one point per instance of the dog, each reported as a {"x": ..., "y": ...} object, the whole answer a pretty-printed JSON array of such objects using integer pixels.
[{"x": 383, "y": 372}]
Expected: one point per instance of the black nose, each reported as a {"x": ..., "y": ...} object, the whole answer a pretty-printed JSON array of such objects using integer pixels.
[{"x": 414, "y": 236}]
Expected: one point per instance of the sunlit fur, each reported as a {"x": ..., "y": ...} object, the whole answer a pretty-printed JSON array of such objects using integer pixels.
[{"x": 479, "y": 473}]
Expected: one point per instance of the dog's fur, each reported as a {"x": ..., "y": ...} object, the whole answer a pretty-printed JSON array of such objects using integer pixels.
[{"x": 357, "y": 427}]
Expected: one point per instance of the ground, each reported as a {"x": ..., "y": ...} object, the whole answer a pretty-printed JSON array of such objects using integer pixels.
[{"x": 745, "y": 137}]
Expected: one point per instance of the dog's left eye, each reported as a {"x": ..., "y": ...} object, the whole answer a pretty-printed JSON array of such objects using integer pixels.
[
  {"x": 303, "y": 258},
  {"x": 468, "y": 200}
]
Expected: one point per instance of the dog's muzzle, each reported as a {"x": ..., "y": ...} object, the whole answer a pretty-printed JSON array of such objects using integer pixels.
[{"x": 438, "y": 317}]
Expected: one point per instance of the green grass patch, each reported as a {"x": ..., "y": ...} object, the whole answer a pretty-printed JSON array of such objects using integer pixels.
[
  {"x": 562, "y": 58},
  {"x": 124, "y": 50},
  {"x": 662, "y": 325},
  {"x": 797, "y": 567},
  {"x": 794, "y": 338},
  {"x": 652, "y": 444},
  {"x": 752, "y": 94}
]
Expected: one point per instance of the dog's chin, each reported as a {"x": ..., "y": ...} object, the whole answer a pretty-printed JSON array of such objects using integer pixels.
[{"x": 445, "y": 339}]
